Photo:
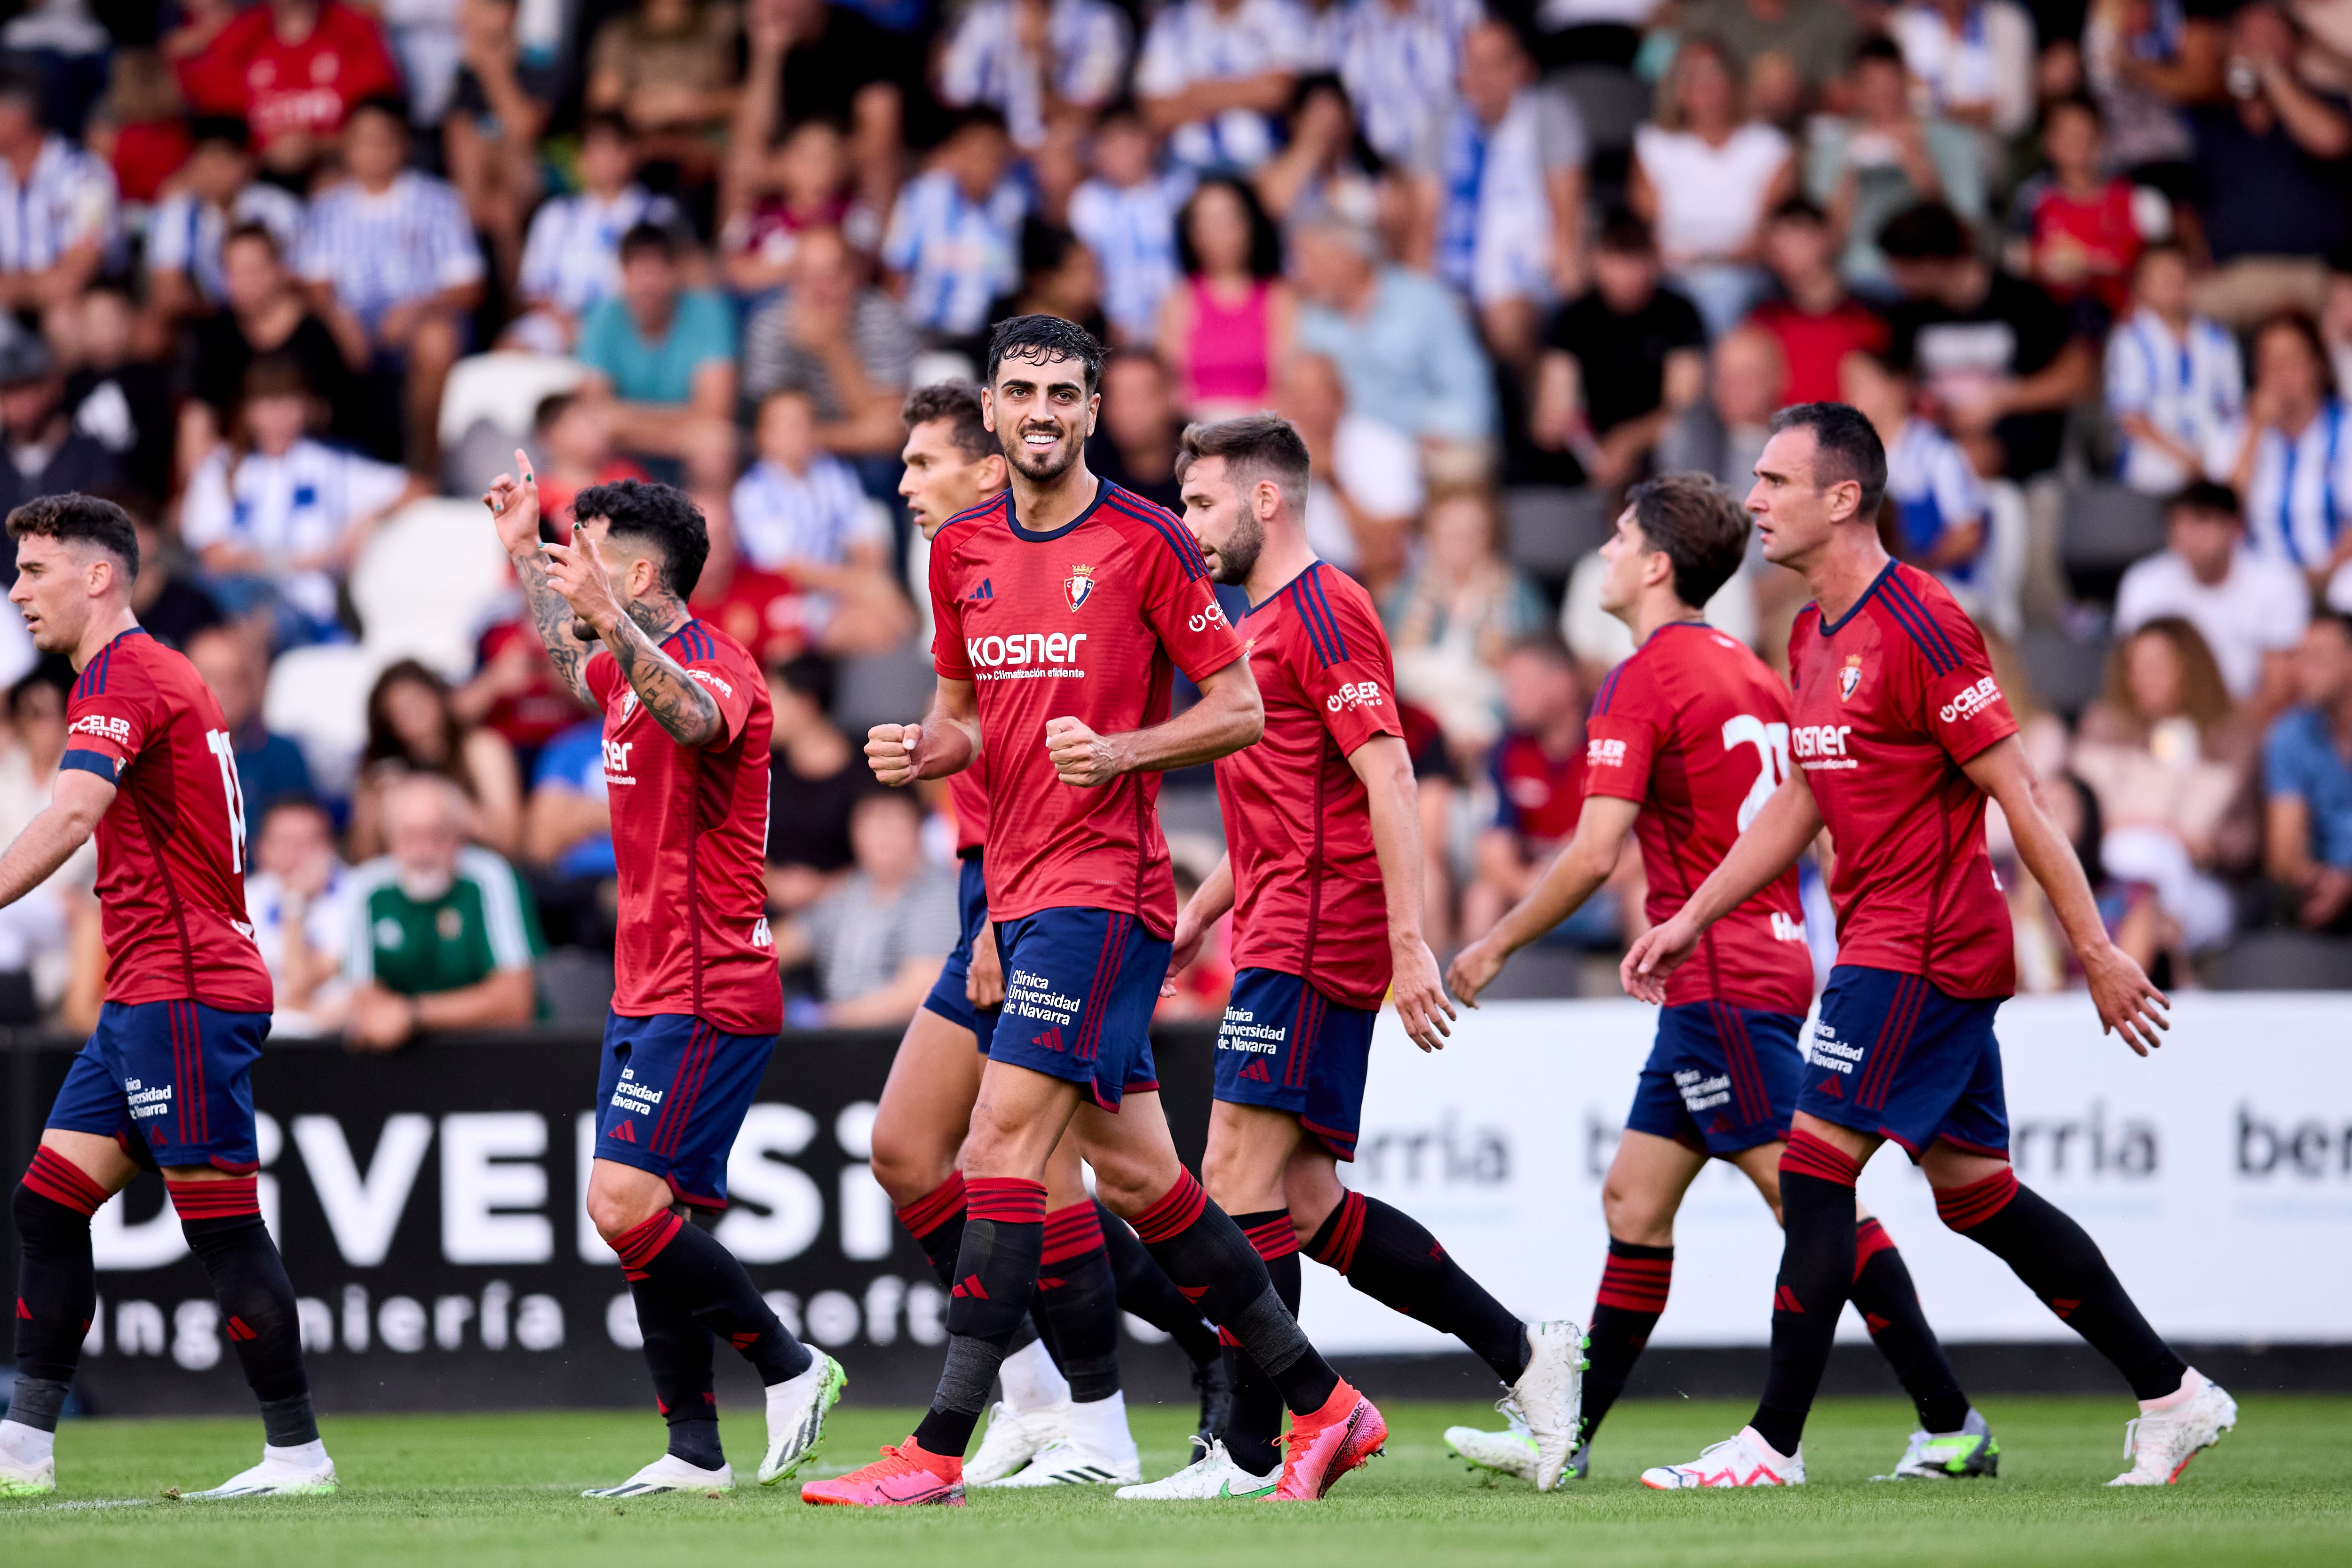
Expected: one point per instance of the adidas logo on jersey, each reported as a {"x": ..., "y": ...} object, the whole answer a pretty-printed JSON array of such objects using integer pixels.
[
  {"x": 985, "y": 591},
  {"x": 1050, "y": 1040},
  {"x": 627, "y": 1132},
  {"x": 1256, "y": 1072}
]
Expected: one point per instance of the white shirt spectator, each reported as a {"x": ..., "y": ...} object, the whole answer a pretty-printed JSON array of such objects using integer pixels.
[
  {"x": 68, "y": 197},
  {"x": 2191, "y": 388},
  {"x": 1935, "y": 491},
  {"x": 1191, "y": 41},
  {"x": 326, "y": 928},
  {"x": 290, "y": 506},
  {"x": 1710, "y": 199},
  {"x": 185, "y": 234},
  {"x": 956, "y": 257},
  {"x": 2301, "y": 495},
  {"x": 984, "y": 63},
  {"x": 1989, "y": 61},
  {"x": 1494, "y": 238},
  {"x": 2261, "y": 608},
  {"x": 572, "y": 257},
  {"x": 381, "y": 250},
  {"x": 1131, "y": 230},
  {"x": 781, "y": 517},
  {"x": 1380, "y": 468},
  {"x": 1400, "y": 62}
]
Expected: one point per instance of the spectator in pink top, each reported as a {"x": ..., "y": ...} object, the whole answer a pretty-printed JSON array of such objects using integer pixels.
[{"x": 1227, "y": 325}]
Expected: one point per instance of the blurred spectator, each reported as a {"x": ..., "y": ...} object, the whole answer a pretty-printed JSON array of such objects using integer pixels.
[
  {"x": 2134, "y": 919},
  {"x": 2289, "y": 458},
  {"x": 140, "y": 129},
  {"x": 1816, "y": 323},
  {"x": 392, "y": 263},
  {"x": 2146, "y": 61},
  {"x": 1059, "y": 278},
  {"x": 797, "y": 510},
  {"x": 215, "y": 194},
  {"x": 2335, "y": 316},
  {"x": 667, "y": 352},
  {"x": 567, "y": 834},
  {"x": 414, "y": 728},
  {"x": 1454, "y": 617},
  {"x": 1724, "y": 433},
  {"x": 1215, "y": 73},
  {"x": 2173, "y": 770},
  {"x": 810, "y": 60},
  {"x": 1327, "y": 166},
  {"x": 775, "y": 197},
  {"x": 275, "y": 518},
  {"x": 1885, "y": 157},
  {"x": 1033, "y": 60},
  {"x": 35, "y": 950},
  {"x": 1622, "y": 363},
  {"x": 815, "y": 778},
  {"x": 56, "y": 208},
  {"x": 443, "y": 935},
  {"x": 1134, "y": 444},
  {"x": 1995, "y": 357},
  {"x": 295, "y": 69},
  {"x": 170, "y": 607},
  {"x": 1814, "y": 37},
  {"x": 267, "y": 315},
  {"x": 269, "y": 767},
  {"x": 1124, "y": 215},
  {"x": 953, "y": 244},
  {"x": 69, "y": 48},
  {"x": 1364, "y": 489},
  {"x": 1973, "y": 61},
  {"x": 1538, "y": 773},
  {"x": 1704, "y": 177},
  {"x": 45, "y": 455},
  {"x": 1506, "y": 178},
  {"x": 1400, "y": 340},
  {"x": 298, "y": 897},
  {"x": 878, "y": 938},
  {"x": 2250, "y": 607},
  {"x": 2174, "y": 381},
  {"x": 1939, "y": 507},
  {"x": 2082, "y": 229},
  {"x": 838, "y": 339},
  {"x": 571, "y": 434},
  {"x": 2307, "y": 830},
  {"x": 572, "y": 259},
  {"x": 1229, "y": 321},
  {"x": 497, "y": 105},
  {"x": 668, "y": 68},
  {"x": 116, "y": 395},
  {"x": 1402, "y": 60}
]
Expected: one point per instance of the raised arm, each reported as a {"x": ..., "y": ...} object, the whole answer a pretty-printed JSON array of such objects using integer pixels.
[
  {"x": 681, "y": 707},
  {"x": 1770, "y": 845},
  {"x": 514, "y": 509},
  {"x": 1583, "y": 864},
  {"x": 1229, "y": 716}
]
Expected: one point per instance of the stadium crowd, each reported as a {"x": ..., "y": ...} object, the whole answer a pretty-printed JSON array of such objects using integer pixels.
[{"x": 291, "y": 282}]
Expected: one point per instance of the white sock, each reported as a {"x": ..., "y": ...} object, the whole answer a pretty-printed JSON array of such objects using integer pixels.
[
  {"x": 27, "y": 1445},
  {"x": 1032, "y": 1380},
  {"x": 310, "y": 1455},
  {"x": 1101, "y": 1428}
]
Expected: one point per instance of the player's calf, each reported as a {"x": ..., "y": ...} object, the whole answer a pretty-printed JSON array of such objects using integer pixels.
[
  {"x": 1078, "y": 1298},
  {"x": 222, "y": 1220},
  {"x": 57, "y": 1292}
]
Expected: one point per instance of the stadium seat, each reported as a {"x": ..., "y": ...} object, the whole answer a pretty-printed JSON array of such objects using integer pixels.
[
  {"x": 2284, "y": 961},
  {"x": 317, "y": 696},
  {"x": 2067, "y": 674},
  {"x": 577, "y": 986},
  {"x": 428, "y": 582},
  {"x": 935, "y": 366},
  {"x": 2104, "y": 527},
  {"x": 1539, "y": 973},
  {"x": 1547, "y": 529},
  {"x": 882, "y": 689},
  {"x": 503, "y": 390}
]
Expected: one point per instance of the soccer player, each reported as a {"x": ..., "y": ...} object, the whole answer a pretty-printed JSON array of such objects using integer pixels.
[
  {"x": 1899, "y": 735},
  {"x": 164, "y": 1083},
  {"x": 697, "y": 1000},
  {"x": 1686, "y": 738},
  {"x": 1062, "y": 607},
  {"x": 1050, "y": 1429},
  {"x": 1324, "y": 877}
]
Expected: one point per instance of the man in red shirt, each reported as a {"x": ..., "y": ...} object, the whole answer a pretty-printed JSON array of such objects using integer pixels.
[
  {"x": 1062, "y": 608},
  {"x": 1816, "y": 323},
  {"x": 1689, "y": 738},
  {"x": 1899, "y": 734},
  {"x": 697, "y": 1000},
  {"x": 1323, "y": 878},
  {"x": 150, "y": 766},
  {"x": 294, "y": 68}
]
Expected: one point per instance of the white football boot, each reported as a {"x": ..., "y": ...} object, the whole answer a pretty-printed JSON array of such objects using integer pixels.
[
  {"x": 1067, "y": 1462},
  {"x": 26, "y": 1478},
  {"x": 796, "y": 1416},
  {"x": 670, "y": 1474},
  {"x": 2161, "y": 1443},
  {"x": 303, "y": 1472},
  {"x": 1014, "y": 1438},
  {"x": 1963, "y": 1455},
  {"x": 1746, "y": 1460},
  {"x": 1550, "y": 1397},
  {"x": 1211, "y": 1477}
]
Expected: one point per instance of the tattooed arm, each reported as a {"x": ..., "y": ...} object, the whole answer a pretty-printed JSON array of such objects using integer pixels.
[
  {"x": 514, "y": 508},
  {"x": 576, "y": 573}
]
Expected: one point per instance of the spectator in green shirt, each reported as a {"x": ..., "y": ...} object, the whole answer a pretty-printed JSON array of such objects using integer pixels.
[
  {"x": 442, "y": 934},
  {"x": 666, "y": 353}
]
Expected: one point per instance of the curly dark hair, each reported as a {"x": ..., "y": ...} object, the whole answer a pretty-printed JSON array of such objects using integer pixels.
[
  {"x": 1041, "y": 339},
  {"x": 72, "y": 516},
  {"x": 657, "y": 513}
]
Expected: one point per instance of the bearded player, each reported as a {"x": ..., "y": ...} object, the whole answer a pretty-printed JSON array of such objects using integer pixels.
[
  {"x": 1324, "y": 878},
  {"x": 1686, "y": 739},
  {"x": 1050, "y": 1428},
  {"x": 164, "y": 1082},
  {"x": 1062, "y": 609},
  {"x": 697, "y": 999},
  {"x": 1900, "y": 735}
]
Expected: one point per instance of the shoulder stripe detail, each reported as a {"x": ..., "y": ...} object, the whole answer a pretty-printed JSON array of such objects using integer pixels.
[
  {"x": 970, "y": 512},
  {"x": 1918, "y": 605},
  {"x": 1315, "y": 614},
  {"x": 1912, "y": 617},
  {"x": 1602, "y": 698},
  {"x": 1180, "y": 538}
]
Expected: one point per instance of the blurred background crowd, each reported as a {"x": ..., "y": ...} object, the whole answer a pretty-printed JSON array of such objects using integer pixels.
[{"x": 291, "y": 279}]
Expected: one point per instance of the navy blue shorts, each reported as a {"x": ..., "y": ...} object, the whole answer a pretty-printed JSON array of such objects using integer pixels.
[
  {"x": 1285, "y": 1045},
  {"x": 946, "y": 998},
  {"x": 1720, "y": 1078},
  {"x": 1080, "y": 986},
  {"x": 671, "y": 1093},
  {"x": 170, "y": 1081},
  {"x": 1891, "y": 1054}
]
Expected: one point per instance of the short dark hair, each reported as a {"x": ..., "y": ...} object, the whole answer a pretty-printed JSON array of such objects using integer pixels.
[
  {"x": 392, "y": 107},
  {"x": 2322, "y": 614},
  {"x": 2205, "y": 496},
  {"x": 979, "y": 117},
  {"x": 1266, "y": 240},
  {"x": 1041, "y": 340},
  {"x": 74, "y": 516},
  {"x": 645, "y": 236},
  {"x": 648, "y": 509},
  {"x": 1924, "y": 231},
  {"x": 1262, "y": 445},
  {"x": 553, "y": 408},
  {"x": 956, "y": 401},
  {"x": 2301, "y": 324},
  {"x": 1845, "y": 447},
  {"x": 608, "y": 122},
  {"x": 1880, "y": 47},
  {"x": 1696, "y": 525},
  {"x": 2074, "y": 104},
  {"x": 1624, "y": 233},
  {"x": 228, "y": 129},
  {"x": 809, "y": 674},
  {"x": 256, "y": 230},
  {"x": 1798, "y": 208}
]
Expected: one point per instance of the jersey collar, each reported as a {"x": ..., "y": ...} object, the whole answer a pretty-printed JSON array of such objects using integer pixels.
[
  {"x": 1303, "y": 574},
  {"x": 1668, "y": 626},
  {"x": 1829, "y": 629},
  {"x": 1030, "y": 536}
]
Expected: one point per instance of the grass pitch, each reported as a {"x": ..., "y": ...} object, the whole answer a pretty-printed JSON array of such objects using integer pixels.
[{"x": 501, "y": 1490}]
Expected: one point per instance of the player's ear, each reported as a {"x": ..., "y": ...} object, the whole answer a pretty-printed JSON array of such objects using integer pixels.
[{"x": 988, "y": 408}]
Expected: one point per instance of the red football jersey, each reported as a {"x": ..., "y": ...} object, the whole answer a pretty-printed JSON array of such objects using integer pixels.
[
  {"x": 310, "y": 86},
  {"x": 691, "y": 837},
  {"x": 1538, "y": 796},
  {"x": 1307, "y": 895},
  {"x": 1890, "y": 702},
  {"x": 171, "y": 850},
  {"x": 968, "y": 798},
  {"x": 1695, "y": 729},
  {"x": 1087, "y": 621}
]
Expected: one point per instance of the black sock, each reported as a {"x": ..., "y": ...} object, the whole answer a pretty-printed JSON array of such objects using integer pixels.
[
  {"x": 678, "y": 1348},
  {"x": 1388, "y": 1255},
  {"x": 1633, "y": 1285},
  {"x": 1816, "y": 1272},
  {"x": 995, "y": 1275},
  {"x": 1889, "y": 1305},
  {"x": 689, "y": 1265},
  {"x": 1212, "y": 1262},
  {"x": 56, "y": 1283},
  {"x": 2060, "y": 1263},
  {"x": 1253, "y": 1430},
  {"x": 1145, "y": 1289},
  {"x": 222, "y": 1221},
  {"x": 1080, "y": 1301},
  {"x": 936, "y": 1222}
]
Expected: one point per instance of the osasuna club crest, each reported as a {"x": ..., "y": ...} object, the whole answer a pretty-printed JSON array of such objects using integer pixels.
[
  {"x": 1078, "y": 586},
  {"x": 1850, "y": 676}
]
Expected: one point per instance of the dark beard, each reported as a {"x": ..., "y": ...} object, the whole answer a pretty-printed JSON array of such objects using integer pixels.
[
  {"x": 1062, "y": 458},
  {"x": 1238, "y": 557}
]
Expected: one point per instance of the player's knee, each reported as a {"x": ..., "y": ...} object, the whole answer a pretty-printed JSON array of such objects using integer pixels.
[
  {"x": 615, "y": 1210},
  {"x": 1635, "y": 1215},
  {"x": 907, "y": 1166}
]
